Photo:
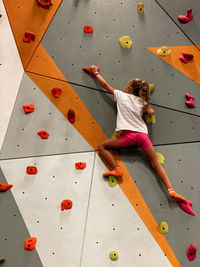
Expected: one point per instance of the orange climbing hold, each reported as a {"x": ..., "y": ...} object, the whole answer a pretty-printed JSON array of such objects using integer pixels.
[
  {"x": 80, "y": 165},
  {"x": 66, "y": 204},
  {"x": 56, "y": 92},
  {"x": 5, "y": 187},
  {"x": 71, "y": 116},
  {"x": 28, "y": 37},
  {"x": 31, "y": 170},
  {"x": 29, "y": 108},
  {"x": 88, "y": 29},
  {"x": 44, "y": 3},
  {"x": 43, "y": 134},
  {"x": 89, "y": 71},
  {"x": 30, "y": 243}
]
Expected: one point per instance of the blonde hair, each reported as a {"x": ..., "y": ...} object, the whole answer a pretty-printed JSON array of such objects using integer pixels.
[{"x": 141, "y": 89}]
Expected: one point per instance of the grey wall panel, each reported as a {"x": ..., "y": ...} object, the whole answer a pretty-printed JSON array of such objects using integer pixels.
[
  {"x": 182, "y": 167},
  {"x": 13, "y": 233},
  {"x": 21, "y": 138},
  {"x": 175, "y": 8},
  {"x": 72, "y": 49}
]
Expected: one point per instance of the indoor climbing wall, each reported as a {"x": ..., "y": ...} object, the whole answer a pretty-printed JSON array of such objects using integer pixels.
[{"x": 123, "y": 219}]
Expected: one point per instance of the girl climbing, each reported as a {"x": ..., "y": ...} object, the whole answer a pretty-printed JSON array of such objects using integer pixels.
[{"x": 130, "y": 106}]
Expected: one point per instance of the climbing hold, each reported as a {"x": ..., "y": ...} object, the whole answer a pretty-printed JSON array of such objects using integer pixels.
[
  {"x": 186, "y": 206},
  {"x": 163, "y": 227},
  {"x": 29, "y": 108},
  {"x": 28, "y": 37},
  {"x": 80, "y": 165},
  {"x": 31, "y": 170},
  {"x": 30, "y": 243},
  {"x": 44, "y": 3},
  {"x": 189, "y": 97},
  {"x": 56, "y": 92},
  {"x": 150, "y": 118},
  {"x": 187, "y": 17},
  {"x": 5, "y": 187},
  {"x": 71, "y": 116},
  {"x": 191, "y": 252},
  {"x": 2, "y": 259},
  {"x": 140, "y": 8},
  {"x": 185, "y": 57},
  {"x": 113, "y": 255},
  {"x": 116, "y": 134},
  {"x": 190, "y": 103},
  {"x": 89, "y": 71},
  {"x": 66, "y": 204},
  {"x": 161, "y": 158},
  {"x": 112, "y": 181},
  {"x": 125, "y": 42},
  {"x": 164, "y": 51},
  {"x": 43, "y": 134},
  {"x": 151, "y": 87},
  {"x": 88, "y": 29}
]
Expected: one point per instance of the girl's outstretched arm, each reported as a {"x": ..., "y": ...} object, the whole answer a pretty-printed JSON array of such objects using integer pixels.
[{"x": 101, "y": 80}]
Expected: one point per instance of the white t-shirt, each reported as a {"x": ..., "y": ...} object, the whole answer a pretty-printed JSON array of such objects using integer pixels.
[{"x": 129, "y": 112}]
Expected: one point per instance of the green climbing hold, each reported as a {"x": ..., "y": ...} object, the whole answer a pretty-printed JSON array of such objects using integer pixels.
[
  {"x": 163, "y": 227},
  {"x": 161, "y": 158},
  {"x": 113, "y": 255},
  {"x": 112, "y": 181},
  {"x": 150, "y": 118}
]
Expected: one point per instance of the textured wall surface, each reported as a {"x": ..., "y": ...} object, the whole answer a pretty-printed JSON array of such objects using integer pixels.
[{"x": 102, "y": 218}]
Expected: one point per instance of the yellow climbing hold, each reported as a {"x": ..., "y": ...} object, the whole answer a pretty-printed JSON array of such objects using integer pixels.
[
  {"x": 112, "y": 181},
  {"x": 161, "y": 158},
  {"x": 164, "y": 51},
  {"x": 163, "y": 227},
  {"x": 113, "y": 255},
  {"x": 151, "y": 87},
  {"x": 150, "y": 118},
  {"x": 116, "y": 134},
  {"x": 140, "y": 8},
  {"x": 125, "y": 42}
]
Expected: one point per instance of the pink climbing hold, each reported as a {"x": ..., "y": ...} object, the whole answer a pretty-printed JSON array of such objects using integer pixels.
[
  {"x": 186, "y": 57},
  {"x": 189, "y": 97},
  {"x": 187, "y": 207},
  {"x": 191, "y": 252},
  {"x": 187, "y": 17},
  {"x": 190, "y": 103}
]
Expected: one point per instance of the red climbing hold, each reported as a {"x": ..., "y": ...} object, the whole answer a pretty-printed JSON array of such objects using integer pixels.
[
  {"x": 44, "y": 3},
  {"x": 186, "y": 18},
  {"x": 185, "y": 57},
  {"x": 190, "y": 103},
  {"x": 30, "y": 243},
  {"x": 5, "y": 187},
  {"x": 88, "y": 29},
  {"x": 80, "y": 165},
  {"x": 71, "y": 116},
  {"x": 43, "y": 134},
  {"x": 66, "y": 204},
  {"x": 189, "y": 97},
  {"x": 186, "y": 206},
  {"x": 191, "y": 252},
  {"x": 28, "y": 37},
  {"x": 29, "y": 108},
  {"x": 31, "y": 170},
  {"x": 56, "y": 92},
  {"x": 89, "y": 71}
]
